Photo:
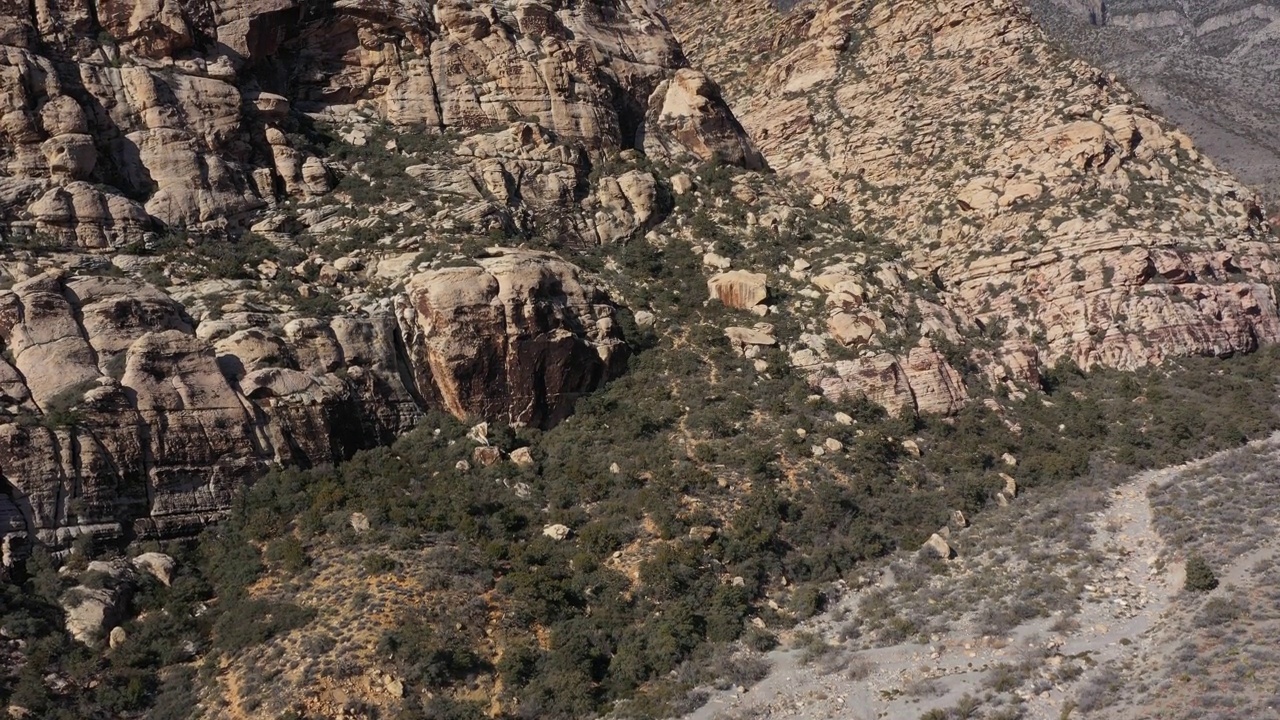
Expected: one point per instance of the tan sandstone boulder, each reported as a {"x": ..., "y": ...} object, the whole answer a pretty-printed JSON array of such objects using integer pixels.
[
  {"x": 518, "y": 337},
  {"x": 739, "y": 289}
]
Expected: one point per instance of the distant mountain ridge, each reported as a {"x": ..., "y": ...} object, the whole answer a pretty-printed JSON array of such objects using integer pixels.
[{"x": 1211, "y": 67}]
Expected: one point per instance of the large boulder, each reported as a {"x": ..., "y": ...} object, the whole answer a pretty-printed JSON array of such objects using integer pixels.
[
  {"x": 687, "y": 116},
  {"x": 739, "y": 289},
  {"x": 158, "y": 565},
  {"x": 91, "y": 613},
  {"x": 517, "y": 337}
]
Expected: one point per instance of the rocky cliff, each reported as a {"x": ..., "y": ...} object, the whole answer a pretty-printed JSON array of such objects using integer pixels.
[
  {"x": 120, "y": 118},
  {"x": 140, "y": 394},
  {"x": 126, "y": 418}
]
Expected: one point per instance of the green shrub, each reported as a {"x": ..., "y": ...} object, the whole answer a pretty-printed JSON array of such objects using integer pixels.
[
  {"x": 288, "y": 553},
  {"x": 377, "y": 564},
  {"x": 1200, "y": 577},
  {"x": 245, "y": 623}
]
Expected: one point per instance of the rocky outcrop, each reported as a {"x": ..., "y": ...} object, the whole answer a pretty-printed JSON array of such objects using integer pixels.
[
  {"x": 739, "y": 289},
  {"x": 1077, "y": 225},
  {"x": 119, "y": 119},
  {"x": 512, "y": 179},
  {"x": 687, "y": 115},
  {"x": 519, "y": 338},
  {"x": 124, "y": 417},
  {"x": 920, "y": 382}
]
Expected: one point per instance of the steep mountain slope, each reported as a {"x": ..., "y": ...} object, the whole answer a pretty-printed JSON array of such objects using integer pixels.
[
  {"x": 1036, "y": 192},
  {"x": 1209, "y": 66}
]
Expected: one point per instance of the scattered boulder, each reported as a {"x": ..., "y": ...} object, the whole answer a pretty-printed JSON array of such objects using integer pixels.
[
  {"x": 702, "y": 534},
  {"x": 359, "y": 522},
  {"x": 479, "y": 433},
  {"x": 739, "y": 289},
  {"x": 158, "y": 565},
  {"x": 850, "y": 330},
  {"x": 718, "y": 262},
  {"x": 760, "y": 335},
  {"x": 939, "y": 547},
  {"x": 486, "y": 455},
  {"x": 556, "y": 532},
  {"x": 394, "y": 686},
  {"x": 1010, "y": 485},
  {"x": 522, "y": 457}
]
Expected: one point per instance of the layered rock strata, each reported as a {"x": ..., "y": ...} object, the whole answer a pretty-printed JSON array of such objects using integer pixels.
[
  {"x": 119, "y": 120},
  {"x": 123, "y": 417}
]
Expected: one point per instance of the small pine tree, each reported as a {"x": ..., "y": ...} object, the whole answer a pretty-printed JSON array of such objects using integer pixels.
[{"x": 1200, "y": 577}]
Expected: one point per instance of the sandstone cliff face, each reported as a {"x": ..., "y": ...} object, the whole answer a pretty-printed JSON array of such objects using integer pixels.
[
  {"x": 119, "y": 119},
  {"x": 1041, "y": 200},
  {"x": 124, "y": 417}
]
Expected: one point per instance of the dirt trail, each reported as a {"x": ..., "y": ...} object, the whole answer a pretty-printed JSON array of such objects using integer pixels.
[{"x": 1124, "y": 601}]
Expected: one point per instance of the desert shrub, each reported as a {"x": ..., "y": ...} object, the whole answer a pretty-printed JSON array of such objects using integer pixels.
[
  {"x": 745, "y": 670},
  {"x": 287, "y": 552},
  {"x": 1200, "y": 576},
  {"x": 377, "y": 564},
  {"x": 923, "y": 687},
  {"x": 440, "y": 707},
  {"x": 434, "y": 654},
  {"x": 63, "y": 410},
  {"x": 760, "y": 640},
  {"x": 317, "y": 304},
  {"x": 808, "y": 601},
  {"x": 133, "y": 680},
  {"x": 1219, "y": 611},
  {"x": 245, "y": 623}
]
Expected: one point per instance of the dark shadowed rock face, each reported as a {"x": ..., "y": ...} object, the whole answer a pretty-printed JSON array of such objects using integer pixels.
[{"x": 519, "y": 338}]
